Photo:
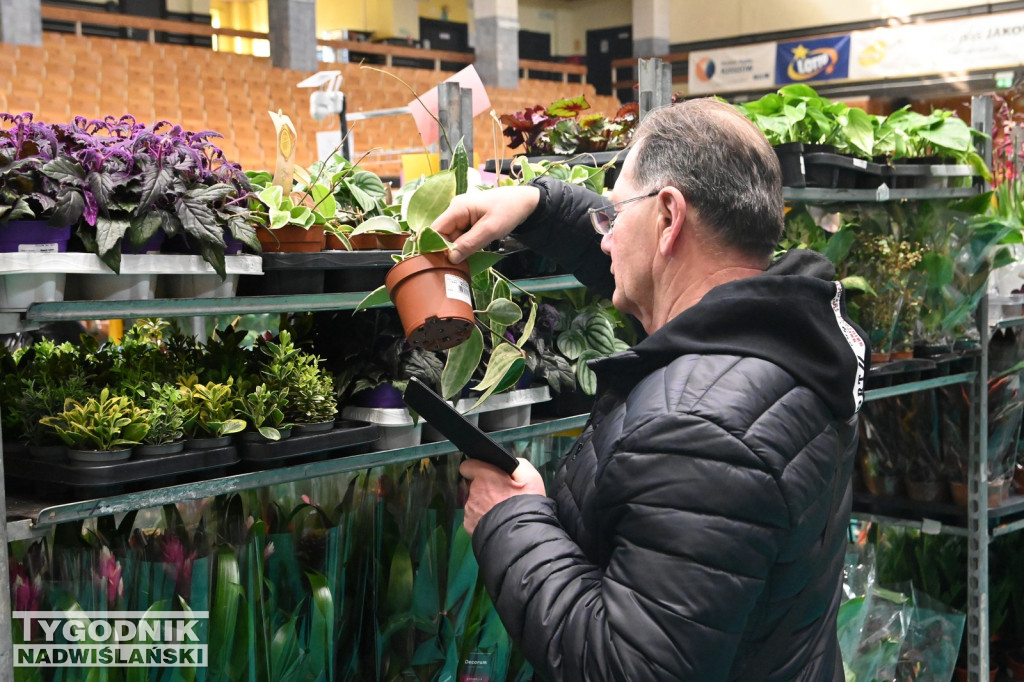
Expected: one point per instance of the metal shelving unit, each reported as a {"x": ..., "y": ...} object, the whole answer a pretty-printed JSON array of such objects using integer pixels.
[
  {"x": 34, "y": 518},
  {"x": 977, "y": 522}
]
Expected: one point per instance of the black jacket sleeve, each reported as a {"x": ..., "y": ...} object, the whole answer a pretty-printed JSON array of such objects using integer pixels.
[{"x": 560, "y": 229}]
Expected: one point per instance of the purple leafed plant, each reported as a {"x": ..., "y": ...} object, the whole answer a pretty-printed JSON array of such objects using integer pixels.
[
  {"x": 116, "y": 179},
  {"x": 25, "y": 145}
]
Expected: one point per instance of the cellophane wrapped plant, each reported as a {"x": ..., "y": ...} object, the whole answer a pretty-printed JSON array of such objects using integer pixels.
[{"x": 561, "y": 129}]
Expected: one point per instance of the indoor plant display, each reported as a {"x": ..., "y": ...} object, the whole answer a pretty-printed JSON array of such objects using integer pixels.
[
  {"x": 303, "y": 390},
  {"x": 559, "y": 128},
  {"x": 100, "y": 429},
  {"x": 122, "y": 182},
  {"x": 291, "y": 221}
]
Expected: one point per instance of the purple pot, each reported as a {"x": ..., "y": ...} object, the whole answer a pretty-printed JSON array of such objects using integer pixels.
[
  {"x": 382, "y": 396},
  {"x": 232, "y": 246},
  {"x": 151, "y": 245},
  {"x": 18, "y": 233}
]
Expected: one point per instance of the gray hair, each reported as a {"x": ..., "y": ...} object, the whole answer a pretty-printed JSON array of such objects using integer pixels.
[{"x": 722, "y": 164}]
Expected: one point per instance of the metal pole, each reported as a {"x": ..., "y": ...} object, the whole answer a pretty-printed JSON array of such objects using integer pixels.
[
  {"x": 448, "y": 112},
  {"x": 344, "y": 128},
  {"x": 6, "y": 636},
  {"x": 466, "y": 122},
  {"x": 977, "y": 473}
]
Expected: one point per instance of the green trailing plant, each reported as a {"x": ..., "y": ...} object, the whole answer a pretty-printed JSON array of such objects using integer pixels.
[
  {"x": 494, "y": 308},
  {"x": 166, "y": 414},
  {"x": 210, "y": 408},
  {"x": 105, "y": 423}
]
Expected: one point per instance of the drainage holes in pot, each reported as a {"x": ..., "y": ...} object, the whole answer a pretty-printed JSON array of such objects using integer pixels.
[{"x": 440, "y": 334}]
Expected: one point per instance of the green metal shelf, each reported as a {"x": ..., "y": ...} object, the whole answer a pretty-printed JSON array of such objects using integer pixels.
[
  {"x": 43, "y": 515},
  {"x": 923, "y": 385},
  {"x": 826, "y": 196},
  {"x": 239, "y": 305}
]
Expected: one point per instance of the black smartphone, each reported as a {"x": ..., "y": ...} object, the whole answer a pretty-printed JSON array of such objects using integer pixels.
[{"x": 467, "y": 437}]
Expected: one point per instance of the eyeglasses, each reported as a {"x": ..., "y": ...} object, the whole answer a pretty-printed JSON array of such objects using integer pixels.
[{"x": 603, "y": 218}]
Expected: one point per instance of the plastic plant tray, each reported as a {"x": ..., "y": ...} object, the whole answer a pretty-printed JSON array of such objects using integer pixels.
[
  {"x": 346, "y": 435},
  {"x": 131, "y": 264},
  {"x": 328, "y": 260},
  {"x": 85, "y": 481}
]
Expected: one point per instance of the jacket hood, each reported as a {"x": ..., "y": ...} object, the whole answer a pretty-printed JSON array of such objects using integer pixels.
[{"x": 793, "y": 315}]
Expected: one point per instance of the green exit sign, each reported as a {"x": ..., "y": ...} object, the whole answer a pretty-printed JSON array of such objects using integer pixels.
[{"x": 1004, "y": 79}]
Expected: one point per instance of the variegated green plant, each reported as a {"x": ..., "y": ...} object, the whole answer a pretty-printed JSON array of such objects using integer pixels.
[
  {"x": 210, "y": 408},
  {"x": 107, "y": 423}
]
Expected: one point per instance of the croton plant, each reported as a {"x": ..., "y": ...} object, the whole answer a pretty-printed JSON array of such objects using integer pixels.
[{"x": 561, "y": 129}]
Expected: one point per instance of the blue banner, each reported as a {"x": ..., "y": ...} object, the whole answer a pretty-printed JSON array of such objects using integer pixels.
[{"x": 818, "y": 59}]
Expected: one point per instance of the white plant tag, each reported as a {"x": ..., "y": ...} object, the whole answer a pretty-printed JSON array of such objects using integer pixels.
[
  {"x": 37, "y": 248},
  {"x": 457, "y": 288}
]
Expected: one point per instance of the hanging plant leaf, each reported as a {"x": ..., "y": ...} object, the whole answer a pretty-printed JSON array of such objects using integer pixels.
[
  {"x": 377, "y": 297},
  {"x": 460, "y": 166},
  {"x": 430, "y": 241},
  {"x": 378, "y": 224},
  {"x": 481, "y": 260},
  {"x": 430, "y": 200},
  {"x": 462, "y": 362},
  {"x": 504, "y": 311}
]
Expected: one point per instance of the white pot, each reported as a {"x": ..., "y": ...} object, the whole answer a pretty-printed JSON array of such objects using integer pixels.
[
  {"x": 19, "y": 291},
  {"x": 112, "y": 287},
  {"x": 505, "y": 418}
]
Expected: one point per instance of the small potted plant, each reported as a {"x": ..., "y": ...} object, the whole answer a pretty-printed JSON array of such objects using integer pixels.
[
  {"x": 166, "y": 419},
  {"x": 261, "y": 409},
  {"x": 211, "y": 417},
  {"x": 290, "y": 221},
  {"x": 123, "y": 183},
  {"x": 100, "y": 429}
]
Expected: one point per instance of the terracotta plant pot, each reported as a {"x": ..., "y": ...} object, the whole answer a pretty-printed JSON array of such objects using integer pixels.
[
  {"x": 292, "y": 239},
  {"x": 359, "y": 242},
  {"x": 877, "y": 358},
  {"x": 434, "y": 300},
  {"x": 391, "y": 242},
  {"x": 926, "y": 491},
  {"x": 997, "y": 492}
]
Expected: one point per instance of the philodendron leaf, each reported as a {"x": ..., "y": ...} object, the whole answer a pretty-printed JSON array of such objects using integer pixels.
[
  {"x": 481, "y": 260},
  {"x": 462, "y": 362},
  {"x": 271, "y": 196},
  {"x": 325, "y": 203},
  {"x": 378, "y": 296},
  {"x": 506, "y": 361},
  {"x": 378, "y": 224},
  {"x": 430, "y": 200},
  {"x": 858, "y": 283},
  {"x": 431, "y": 242},
  {"x": 504, "y": 311}
]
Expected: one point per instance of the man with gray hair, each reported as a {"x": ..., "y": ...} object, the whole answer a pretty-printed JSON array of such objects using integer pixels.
[{"x": 696, "y": 530}]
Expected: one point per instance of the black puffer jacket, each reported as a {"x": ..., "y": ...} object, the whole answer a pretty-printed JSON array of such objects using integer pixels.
[{"x": 696, "y": 529}]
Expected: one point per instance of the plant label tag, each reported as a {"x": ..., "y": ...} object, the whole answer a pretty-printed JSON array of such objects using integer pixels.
[
  {"x": 457, "y": 288},
  {"x": 37, "y": 248},
  {"x": 860, "y": 163}
]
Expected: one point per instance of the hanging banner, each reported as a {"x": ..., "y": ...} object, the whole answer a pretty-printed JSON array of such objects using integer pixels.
[
  {"x": 817, "y": 59},
  {"x": 746, "y": 67},
  {"x": 982, "y": 42}
]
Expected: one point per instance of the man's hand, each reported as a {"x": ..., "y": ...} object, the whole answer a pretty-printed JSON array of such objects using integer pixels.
[
  {"x": 474, "y": 220},
  {"x": 489, "y": 485}
]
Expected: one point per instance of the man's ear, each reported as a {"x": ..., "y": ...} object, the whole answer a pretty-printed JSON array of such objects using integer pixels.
[{"x": 672, "y": 220}]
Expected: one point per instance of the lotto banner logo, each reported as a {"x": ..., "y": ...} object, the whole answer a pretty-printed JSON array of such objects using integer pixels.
[{"x": 127, "y": 639}]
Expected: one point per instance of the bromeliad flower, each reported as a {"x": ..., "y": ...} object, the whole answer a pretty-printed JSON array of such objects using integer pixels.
[
  {"x": 108, "y": 577},
  {"x": 178, "y": 564}
]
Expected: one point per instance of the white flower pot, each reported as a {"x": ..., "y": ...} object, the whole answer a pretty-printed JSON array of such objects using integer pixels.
[{"x": 19, "y": 291}]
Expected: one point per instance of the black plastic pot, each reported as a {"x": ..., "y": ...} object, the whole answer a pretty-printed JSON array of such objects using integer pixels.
[{"x": 791, "y": 159}]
